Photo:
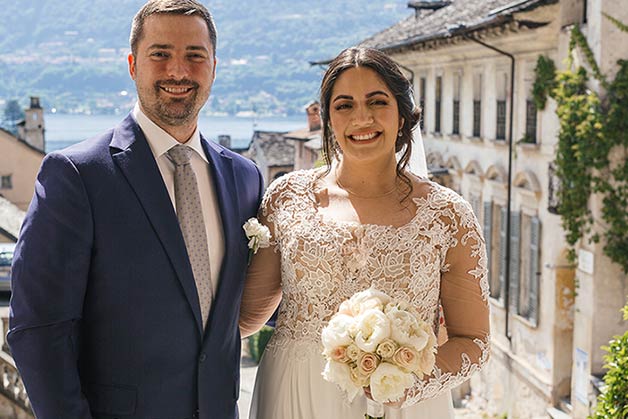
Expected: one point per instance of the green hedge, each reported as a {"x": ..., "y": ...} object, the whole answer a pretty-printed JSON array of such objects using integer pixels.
[
  {"x": 613, "y": 402},
  {"x": 258, "y": 341}
]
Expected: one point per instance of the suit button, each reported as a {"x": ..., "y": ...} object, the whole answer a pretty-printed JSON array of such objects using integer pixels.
[{"x": 202, "y": 358}]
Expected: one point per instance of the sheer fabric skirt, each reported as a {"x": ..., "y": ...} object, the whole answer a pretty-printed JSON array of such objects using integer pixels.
[{"x": 289, "y": 385}]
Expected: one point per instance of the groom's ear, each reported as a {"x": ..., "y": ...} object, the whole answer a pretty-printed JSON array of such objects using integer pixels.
[{"x": 131, "y": 60}]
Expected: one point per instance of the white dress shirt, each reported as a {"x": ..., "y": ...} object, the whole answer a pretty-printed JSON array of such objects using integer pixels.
[{"x": 160, "y": 142}]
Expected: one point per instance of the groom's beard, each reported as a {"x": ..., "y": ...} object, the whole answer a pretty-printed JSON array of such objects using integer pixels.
[{"x": 172, "y": 111}]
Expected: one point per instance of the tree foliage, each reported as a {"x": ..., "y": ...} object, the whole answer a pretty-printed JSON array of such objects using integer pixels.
[
  {"x": 544, "y": 82},
  {"x": 13, "y": 113},
  {"x": 592, "y": 154},
  {"x": 613, "y": 402}
]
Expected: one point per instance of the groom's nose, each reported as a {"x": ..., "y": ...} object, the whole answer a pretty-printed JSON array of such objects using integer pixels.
[{"x": 177, "y": 68}]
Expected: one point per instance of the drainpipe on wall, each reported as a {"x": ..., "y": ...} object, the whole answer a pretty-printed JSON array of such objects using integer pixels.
[{"x": 460, "y": 30}]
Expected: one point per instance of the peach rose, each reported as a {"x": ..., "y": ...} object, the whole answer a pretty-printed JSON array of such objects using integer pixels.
[
  {"x": 339, "y": 354},
  {"x": 407, "y": 359},
  {"x": 367, "y": 363}
]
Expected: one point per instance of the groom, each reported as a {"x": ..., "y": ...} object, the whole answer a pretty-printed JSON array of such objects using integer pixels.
[{"x": 130, "y": 265}]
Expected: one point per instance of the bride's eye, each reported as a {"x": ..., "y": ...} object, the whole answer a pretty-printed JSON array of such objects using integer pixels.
[
  {"x": 379, "y": 102},
  {"x": 342, "y": 106}
]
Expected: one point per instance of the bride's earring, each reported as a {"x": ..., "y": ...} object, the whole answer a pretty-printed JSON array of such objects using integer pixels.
[{"x": 335, "y": 146}]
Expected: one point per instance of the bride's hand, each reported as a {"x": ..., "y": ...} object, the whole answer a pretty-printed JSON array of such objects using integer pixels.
[{"x": 396, "y": 404}]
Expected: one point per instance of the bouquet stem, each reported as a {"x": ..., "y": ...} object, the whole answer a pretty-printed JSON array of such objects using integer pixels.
[{"x": 374, "y": 410}]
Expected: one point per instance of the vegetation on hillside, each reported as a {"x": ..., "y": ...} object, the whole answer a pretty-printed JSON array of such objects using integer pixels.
[{"x": 73, "y": 54}]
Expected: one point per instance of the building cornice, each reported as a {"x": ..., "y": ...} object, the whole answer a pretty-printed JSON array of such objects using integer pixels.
[{"x": 503, "y": 25}]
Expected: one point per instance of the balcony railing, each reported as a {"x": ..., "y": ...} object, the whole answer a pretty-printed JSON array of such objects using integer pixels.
[{"x": 11, "y": 384}]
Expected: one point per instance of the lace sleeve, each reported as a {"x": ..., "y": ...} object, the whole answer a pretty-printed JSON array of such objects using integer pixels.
[
  {"x": 464, "y": 296},
  {"x": 262, "y": 289}
]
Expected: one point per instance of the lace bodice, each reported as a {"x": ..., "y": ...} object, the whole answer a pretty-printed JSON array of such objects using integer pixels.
[{"x": 324, "y": 262}]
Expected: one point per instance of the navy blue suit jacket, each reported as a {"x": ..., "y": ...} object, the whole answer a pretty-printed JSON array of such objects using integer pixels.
[{"x": 105, "y": 319}]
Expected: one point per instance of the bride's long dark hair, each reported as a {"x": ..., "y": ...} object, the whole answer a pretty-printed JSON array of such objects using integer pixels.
[{"x": 398, "y": 84}]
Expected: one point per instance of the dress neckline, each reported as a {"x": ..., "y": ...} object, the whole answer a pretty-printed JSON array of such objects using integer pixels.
[{"x": 419, "y": 203}]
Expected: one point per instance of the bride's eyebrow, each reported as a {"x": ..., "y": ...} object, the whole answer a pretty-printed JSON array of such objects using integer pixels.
[
  {"x": 340, "y": 97},
  {"x": 368, "y": 95},
  {"x": 375, "y": 93}
]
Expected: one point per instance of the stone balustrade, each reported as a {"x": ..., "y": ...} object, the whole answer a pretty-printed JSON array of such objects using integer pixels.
[{"x": 15, "y": 403}]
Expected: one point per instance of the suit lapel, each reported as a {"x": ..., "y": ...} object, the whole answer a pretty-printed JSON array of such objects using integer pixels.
[
  {"x": 132, "y": 154},
  {"x": 221, "y": 167}
]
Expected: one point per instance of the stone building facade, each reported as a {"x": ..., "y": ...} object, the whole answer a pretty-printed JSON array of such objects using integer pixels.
[
  {"x": 272, "y": 153},
  {"x": 21, "y": 156},
  {"x": 307, "y": 141}
]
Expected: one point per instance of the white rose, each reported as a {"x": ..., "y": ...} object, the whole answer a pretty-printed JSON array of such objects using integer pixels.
[
  {"x": 401, "y": 305},
  {"x": 340, "y": 374},
  {"x": 406, "y": 329},
  {"x": 372, "y": 327},
  {"x": 387, "y": 348},
  {"x": 419, "y": 339},
  {"x": 366, "y": 300},
  {"x": 428, "y": 354},
  {"x": 353, "y": 352},
  {"x": 257, "y": 233},
  {"x": 427, "y": 360},
  {"x": 357, "y": 378},
  {"x": 389, "y": 383},
  {"x": 337, "y": 332},
  {"x": 345, "y": 308}
]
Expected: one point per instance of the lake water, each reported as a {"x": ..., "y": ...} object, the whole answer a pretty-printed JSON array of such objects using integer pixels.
[{"x": 63, "y": 130}]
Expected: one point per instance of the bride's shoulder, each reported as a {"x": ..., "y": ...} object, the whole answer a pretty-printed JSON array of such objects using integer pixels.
[
  {"x": 297, "y": 180},
  {"x": 435, "y": 195}
]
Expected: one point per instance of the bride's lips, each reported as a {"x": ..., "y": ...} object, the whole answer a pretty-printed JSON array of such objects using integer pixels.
[{"x": 365, "y": 137}]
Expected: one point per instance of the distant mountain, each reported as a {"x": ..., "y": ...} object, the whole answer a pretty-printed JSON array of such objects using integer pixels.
[{"x": 72, "y": 53}]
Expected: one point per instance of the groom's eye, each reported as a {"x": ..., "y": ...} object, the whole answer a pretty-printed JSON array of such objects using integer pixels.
[{"x": 159, "y": 55}]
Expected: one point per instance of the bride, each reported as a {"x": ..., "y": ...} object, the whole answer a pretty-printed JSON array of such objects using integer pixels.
[{"x": 362, "y": 221}]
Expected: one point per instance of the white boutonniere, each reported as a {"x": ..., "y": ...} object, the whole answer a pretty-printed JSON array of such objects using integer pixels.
[{"x": 257, "y": 234}]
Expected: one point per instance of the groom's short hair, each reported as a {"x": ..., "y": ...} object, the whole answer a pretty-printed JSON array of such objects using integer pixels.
[{"x": 173, "y": 7}]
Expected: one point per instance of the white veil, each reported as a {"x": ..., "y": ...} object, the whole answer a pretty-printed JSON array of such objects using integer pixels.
[{"x": 418, "y": 161}]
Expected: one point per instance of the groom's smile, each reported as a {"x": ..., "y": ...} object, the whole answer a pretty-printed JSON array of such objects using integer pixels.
[{"x": 176, "y": 91}]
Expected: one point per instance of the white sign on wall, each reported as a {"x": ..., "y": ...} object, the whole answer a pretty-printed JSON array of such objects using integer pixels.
[
  {"x": 585, "y": 261},
  {"x": 582, "y": 376}
]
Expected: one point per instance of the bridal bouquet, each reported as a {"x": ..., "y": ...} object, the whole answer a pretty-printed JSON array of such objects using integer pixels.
[{"x": 377, "y": 342}]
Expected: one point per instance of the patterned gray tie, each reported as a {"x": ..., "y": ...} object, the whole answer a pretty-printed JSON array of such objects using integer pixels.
[{"x": 190, "y": 215}]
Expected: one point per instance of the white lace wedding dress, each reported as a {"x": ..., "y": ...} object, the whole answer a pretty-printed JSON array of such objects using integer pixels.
[{"x": 438, "y": 255}]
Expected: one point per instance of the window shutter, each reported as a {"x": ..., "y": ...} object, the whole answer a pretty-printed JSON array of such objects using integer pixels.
[
  {"x": 487, "y": 230},
  {"x": 502, "y": 254},
  {"x": 515, "y": 238},
  {"x": 535, "y": 269}
]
